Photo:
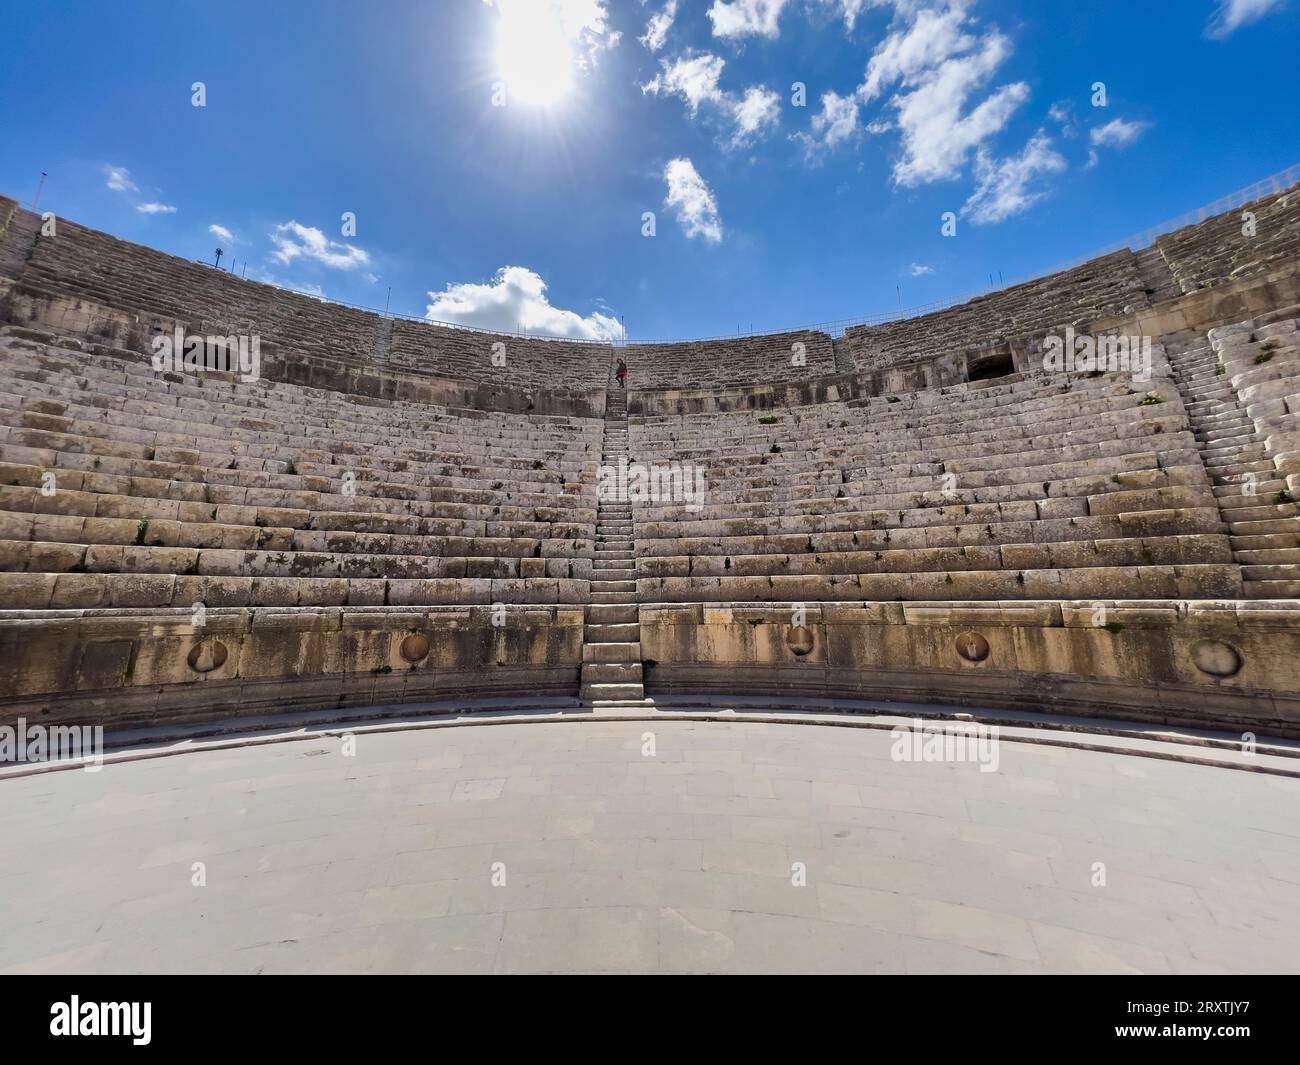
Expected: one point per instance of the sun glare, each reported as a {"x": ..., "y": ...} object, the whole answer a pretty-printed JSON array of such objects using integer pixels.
[{"x": 534, "y": 55}]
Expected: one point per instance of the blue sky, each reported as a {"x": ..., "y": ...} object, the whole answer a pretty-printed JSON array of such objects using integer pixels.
[{"x": 766, "y": 214}]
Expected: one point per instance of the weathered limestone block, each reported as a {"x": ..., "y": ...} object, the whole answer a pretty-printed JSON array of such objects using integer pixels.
[{"x": 154, "y": 589}]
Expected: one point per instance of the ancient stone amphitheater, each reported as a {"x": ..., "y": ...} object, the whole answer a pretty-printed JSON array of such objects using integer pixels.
[{"x": 398, "y": 520}]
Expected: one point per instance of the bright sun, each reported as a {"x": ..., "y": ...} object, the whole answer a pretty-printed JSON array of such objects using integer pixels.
[{"x": 534, "y": 55}]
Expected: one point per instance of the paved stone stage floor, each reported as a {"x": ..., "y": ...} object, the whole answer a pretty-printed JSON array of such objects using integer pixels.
[{"x": 616, "y": 861}]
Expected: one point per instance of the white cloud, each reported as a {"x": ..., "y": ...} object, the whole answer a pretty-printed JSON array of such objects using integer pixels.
[
  {"x": 757, "y": 110},
  {"x": 515, "y": 301},
  {"x": 695, "y": 78},
  {"x": 294, "y": 241},
  {"x": 937, "y": 135},
  {"x": 656, "y": 30},
  {"x": 746, "y": 18},
  {"x": 119, "y": 179},
  {"x": 936, "y": 63},
  {"x": 1233, "y": 14},
  {"x": 155, "y": 208},
  {"x": 1117, "y": 133},
  {"x": 921, "y": 271},
  {"x": 1062, "y": 113},
  {"x": 836, "y": 123},
  {"x": 916, "y": 48},
  {"x": 221, "y": 233},
  {"x": 1004, "y": 185},
  {"x": 697, "y": 208},
  {"x": 851, "y": 9}
]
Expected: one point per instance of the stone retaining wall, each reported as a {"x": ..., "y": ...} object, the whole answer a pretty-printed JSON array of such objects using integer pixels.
[
  {"x": 129, "y": 668},
  {"x": 1211, "y": 664}
]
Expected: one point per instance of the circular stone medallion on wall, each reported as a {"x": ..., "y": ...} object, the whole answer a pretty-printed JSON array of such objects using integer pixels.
[
  {"x": 972, "y": 647},
  {"x": 1216, "y": 658},
  {"x": 206, "y": 656},
  {"x": 800, "y": 641},
  {"x": 415, "y": 648}
]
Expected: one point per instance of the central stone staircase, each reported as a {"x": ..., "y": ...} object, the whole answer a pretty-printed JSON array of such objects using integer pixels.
[
  {"x": 611, "y": 652},
  {"x": 1264, "y": 532}
]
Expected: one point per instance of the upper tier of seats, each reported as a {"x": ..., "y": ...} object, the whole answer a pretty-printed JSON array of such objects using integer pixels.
[
  {"x": 1028, "y": 488},
  {"x": 1098, "y": 289},
  {"x": 123, "y": 487},
  {"x": 794, "y": 356},
  {"x": 1224, "y": 248},
  {"x": 84, "y": 264},
  {"x": 1194, "y": 257}
]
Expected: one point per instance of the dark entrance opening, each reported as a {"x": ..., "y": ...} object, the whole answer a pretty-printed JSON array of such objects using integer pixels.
[{"x": 990, "y": 366}]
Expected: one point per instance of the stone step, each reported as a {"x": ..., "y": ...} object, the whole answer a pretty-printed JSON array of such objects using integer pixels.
[
  {"x": 611, "y": 672},
  {"x": 1284, "y": 573},
  {"x": 620, "y": 573},
  {"x": 1216, "y": 438},
  {"x": 612, "y": 693},
  {"x": 1237, "y": 469},
  {"x": 1205, "y": 410},
  {"x": 625, "y": 654},
  {"x": 1232, "y": 515},
  {"x": 1271, "y": 556},
  {"x": 624, "y": 544},
  {"x": 613, "y": 586},
  {"x": 1268, "y": 525},
  {"x": 1271, "y": 589},
  {"x": 1230, "y": 452},
  {"x": 1261, "y": 491},
  {"x": 1276, "y": 541},
  {"x": 613, "y": 566},
  {"x": 612, "y": 614},
  {"x": 613, "y": 597},
  {"x": 623, "y": 633}
]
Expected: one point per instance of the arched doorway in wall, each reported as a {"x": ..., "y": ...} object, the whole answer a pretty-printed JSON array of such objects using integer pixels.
[{"x": 988, "y": 364}]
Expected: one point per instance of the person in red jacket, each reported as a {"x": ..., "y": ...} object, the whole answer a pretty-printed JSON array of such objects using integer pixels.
[{"x": 621, "y": 374}]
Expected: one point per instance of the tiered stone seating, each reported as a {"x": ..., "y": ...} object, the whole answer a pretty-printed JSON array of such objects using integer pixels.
[
  {"x": 1252, "y": 441},
  {"x": 1218, "y": 249},
  {"x": 795, "y": 356},
  {"x": 521, "y": 362},
  {"x": 1075, "y": 488},
  {"x": 18, "y": 230},
  {"x": 1098, "y": 289},
  {"x": 175, "y": 489},
  {"x": 85, "y": 264}
]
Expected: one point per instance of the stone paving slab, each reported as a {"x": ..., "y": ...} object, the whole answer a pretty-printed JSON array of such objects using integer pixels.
[{"x": 731, "y": 846}]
